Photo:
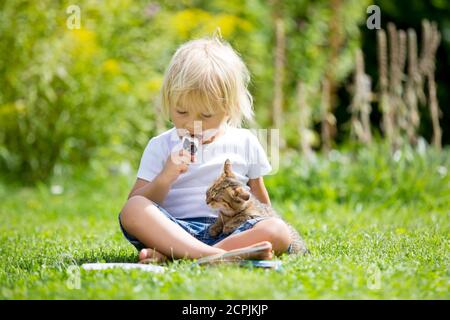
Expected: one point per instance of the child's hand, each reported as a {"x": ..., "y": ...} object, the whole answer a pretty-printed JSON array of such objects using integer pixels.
[{"x": 176, "y": 164}]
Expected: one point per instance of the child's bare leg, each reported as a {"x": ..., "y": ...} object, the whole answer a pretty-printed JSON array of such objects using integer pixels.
[
  {"x": 273, "y": 230},
  {"x": 141, "y": 218},
  {"x": 153, "y": 256}
]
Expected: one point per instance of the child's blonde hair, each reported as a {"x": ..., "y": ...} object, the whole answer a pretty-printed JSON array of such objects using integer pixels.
[{"x": 206, "y": 74}]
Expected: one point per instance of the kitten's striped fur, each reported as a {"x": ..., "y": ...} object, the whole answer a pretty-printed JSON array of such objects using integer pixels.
[{"x": 237, "y": 205}]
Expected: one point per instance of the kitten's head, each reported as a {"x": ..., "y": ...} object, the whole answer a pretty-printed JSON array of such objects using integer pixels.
[{"x": 227, "y": 193}]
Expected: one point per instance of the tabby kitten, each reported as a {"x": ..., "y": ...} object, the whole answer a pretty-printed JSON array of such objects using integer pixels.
[{"x": 237, "y": 205}]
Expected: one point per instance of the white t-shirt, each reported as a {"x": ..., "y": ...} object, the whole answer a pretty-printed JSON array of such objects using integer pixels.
[{"x": 187, "y": 195}]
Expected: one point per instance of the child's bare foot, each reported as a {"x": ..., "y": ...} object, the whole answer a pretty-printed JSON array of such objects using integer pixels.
[{"x": 151, "y": 256}]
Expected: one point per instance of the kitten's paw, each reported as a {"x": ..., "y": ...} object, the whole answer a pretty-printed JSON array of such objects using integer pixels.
[
  {"x": 228, "y": 230},
  {"x": 214, "y": 231}
]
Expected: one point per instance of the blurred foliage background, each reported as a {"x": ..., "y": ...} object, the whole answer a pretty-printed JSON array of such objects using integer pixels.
[{"x": 88, "y": 96}]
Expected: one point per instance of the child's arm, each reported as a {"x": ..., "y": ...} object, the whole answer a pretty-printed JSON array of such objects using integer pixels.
[
  {"x": 259, "y": 190},
  {"x": 157, "y": 189}
]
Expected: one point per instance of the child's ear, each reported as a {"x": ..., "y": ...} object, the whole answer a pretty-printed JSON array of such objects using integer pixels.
[
  {"x": 227, "y": 170},
  {"x": 242, "y": 194}
]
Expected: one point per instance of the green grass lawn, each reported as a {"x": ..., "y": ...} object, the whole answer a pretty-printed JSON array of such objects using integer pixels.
[{"x": 377, "y": 228}]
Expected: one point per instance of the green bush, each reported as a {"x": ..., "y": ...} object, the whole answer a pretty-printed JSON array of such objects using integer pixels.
[
  {"x": 66, "y": 93},
  {"x": 370, "y": 175}
]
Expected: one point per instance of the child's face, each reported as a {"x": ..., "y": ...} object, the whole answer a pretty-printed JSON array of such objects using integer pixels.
[{"x": 184, "y": 118}]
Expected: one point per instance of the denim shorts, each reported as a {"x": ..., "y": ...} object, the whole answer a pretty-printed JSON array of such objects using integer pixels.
[{"x": 197, "y": 227}]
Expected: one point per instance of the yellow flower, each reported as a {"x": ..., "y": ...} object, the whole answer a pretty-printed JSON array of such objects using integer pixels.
[
  {"x": 124, "y": 86},
  {"x": 154, "y": 84},
  {"x": 111, "y": 66},
  {"x": 84, "y": 42},
  {"x": 186, "y": 21},
  {"x": 227, "y": 24}
]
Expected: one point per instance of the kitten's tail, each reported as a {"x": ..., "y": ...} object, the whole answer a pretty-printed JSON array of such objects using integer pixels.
[{"x": 298, "y": 245}]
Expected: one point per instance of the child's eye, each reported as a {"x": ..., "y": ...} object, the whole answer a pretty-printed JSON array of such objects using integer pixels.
[
  {"x": 181, "y": 112},
  {"x": 207, "y": 115}
]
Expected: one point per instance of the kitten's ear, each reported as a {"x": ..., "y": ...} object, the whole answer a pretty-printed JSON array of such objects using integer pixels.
[
  {"x": 227, "y": 170},
  {"x": 242, "y": 194}
]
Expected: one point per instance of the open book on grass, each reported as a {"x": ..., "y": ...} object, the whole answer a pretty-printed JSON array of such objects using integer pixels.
[{"x": 125, "y": 266}]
